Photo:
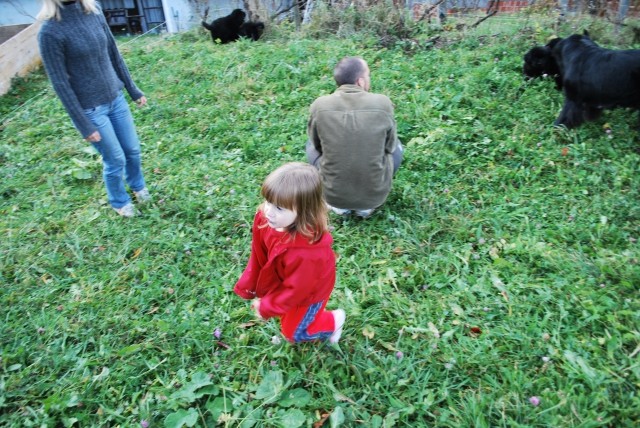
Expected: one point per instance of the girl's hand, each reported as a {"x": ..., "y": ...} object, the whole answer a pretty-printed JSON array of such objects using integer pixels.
[{"x": 255, "y": 305}]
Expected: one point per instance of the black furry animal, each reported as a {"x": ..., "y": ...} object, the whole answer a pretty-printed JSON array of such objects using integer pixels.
[
  {"x": 252, "y": 30},
  {"x": 227, "y": 28},
  {"x": 591, "y": 78},
  {"x": 231, "y": 27},
  {"x": 538, "y": 61}
]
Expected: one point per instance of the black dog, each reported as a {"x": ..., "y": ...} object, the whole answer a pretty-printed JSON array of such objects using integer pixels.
[
  {"x": 592, "y": 78},
  {"x": 227, "y": 28},
  {"x": 252, "y": 30},
  {"x": 231, "y": 27}
]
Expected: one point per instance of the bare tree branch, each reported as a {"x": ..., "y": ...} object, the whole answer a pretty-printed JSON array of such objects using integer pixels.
[
  {"x": 428, "y": 11},
  {"x": 479, "y": 21}
]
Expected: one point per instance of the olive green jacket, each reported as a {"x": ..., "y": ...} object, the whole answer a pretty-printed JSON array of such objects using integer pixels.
[{"x": 356, "y": 133}]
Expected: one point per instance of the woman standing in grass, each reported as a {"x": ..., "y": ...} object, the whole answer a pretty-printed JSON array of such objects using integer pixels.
[
  {"x": 292, "y": 268},
  {"x": 88, "y": 74}
]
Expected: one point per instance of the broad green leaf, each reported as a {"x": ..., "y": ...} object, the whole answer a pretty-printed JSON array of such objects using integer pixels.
[
  {"x": 69, "y": 422},
  {"x": 128, "y": 350},
  {"x": 376, "y": 421},
  {"x": 192, "y": 390},
  {"x": 337, "y": 417},
  {"x": 292, "y": 418},
  {"x": 271, "y": 386},
  {"x": 297, "y": 397},
  {"x": 102, "y": 375},
  {"x": 252, "y": 418},
  {"x": 218, "y": 406},
  {"x": 456, "y": 309},
  {"x": 580, "y": 363},
  {"x": 181, "y": 418},
  {"x": 390, "y": 420}
]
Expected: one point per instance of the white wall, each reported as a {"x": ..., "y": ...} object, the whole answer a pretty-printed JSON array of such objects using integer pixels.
[{"x": 181, "y": 15}]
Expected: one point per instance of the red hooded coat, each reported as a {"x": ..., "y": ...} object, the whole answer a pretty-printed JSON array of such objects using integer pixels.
[{"x": 286, "y": 272}]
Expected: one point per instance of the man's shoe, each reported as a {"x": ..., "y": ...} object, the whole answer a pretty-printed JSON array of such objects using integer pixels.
[
  {"x": 364, "y": 213},
  {"x": 339, "y": 211},
  {"x": 126, "y": 211},
  {"x": 143, "y": 196}
]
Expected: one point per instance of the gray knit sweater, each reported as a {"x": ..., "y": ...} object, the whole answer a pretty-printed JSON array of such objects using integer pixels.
[{"x": 83, "y": 63}]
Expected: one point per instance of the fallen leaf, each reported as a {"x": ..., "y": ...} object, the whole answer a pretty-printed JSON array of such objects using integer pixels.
[
  {"x": 323, "y": 419},
  {"x": 565, "y": 151},
  {"x": 136, "y": 253},
  {"x": 434, "y": 330},
  {"x": 247, "y": 324},
  {"x": 475, "y": 331},
  {"x": 366, "y": 332},
  {"x": 388, "y": 346}
]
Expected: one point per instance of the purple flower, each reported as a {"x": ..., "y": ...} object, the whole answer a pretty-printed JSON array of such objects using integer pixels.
[
  {"x": 144, "y": 423},
  {"x": 217, "y": 333},
  {"x": 399, "y": 355},
  {"x": 535, "y": 401}
]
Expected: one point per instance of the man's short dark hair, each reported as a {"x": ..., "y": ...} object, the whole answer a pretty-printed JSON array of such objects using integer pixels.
[{"x": 348, "y": 70}]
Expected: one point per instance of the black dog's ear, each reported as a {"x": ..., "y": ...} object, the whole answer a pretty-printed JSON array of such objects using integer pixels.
[{"x": 553, "y": 42}]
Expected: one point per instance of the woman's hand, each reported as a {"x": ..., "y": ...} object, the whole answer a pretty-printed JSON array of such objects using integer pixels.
[
  {"x": 94, "y": 138},
  {"x": 141, "y": 101}
]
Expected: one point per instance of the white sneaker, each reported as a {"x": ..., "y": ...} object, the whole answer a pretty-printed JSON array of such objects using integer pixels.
[
  {"x": 364, "y": 213},
  {"x": 339, "y": 211},
  {"x": 339, "y": 317},
  {"x": 143, "y": 196},
  {"x": 126, "y": 211}
]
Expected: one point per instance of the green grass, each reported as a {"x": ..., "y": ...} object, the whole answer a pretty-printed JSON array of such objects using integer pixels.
[{"x": 504, "y": 264}]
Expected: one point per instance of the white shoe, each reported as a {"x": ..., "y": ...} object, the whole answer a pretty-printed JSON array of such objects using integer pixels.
[
  {"x": 339, "y": 211},
  {"x": 143, "y": 196},
  {"x": 339, "y": 317},
  {"x": 126, "y": 211},
  {"x": 364, "y": 213}
]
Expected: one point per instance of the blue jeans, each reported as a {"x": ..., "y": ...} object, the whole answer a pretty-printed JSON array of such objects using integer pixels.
[{"x": 119, "y": 148}]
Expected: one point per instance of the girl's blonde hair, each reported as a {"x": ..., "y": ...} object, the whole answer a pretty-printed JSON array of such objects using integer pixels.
[
  {"x": 51, "y": 8},
  {"x": 297, "y": 186}
]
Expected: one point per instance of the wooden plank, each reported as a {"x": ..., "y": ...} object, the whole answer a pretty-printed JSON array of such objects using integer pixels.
[{"x": 19, "y": 55}]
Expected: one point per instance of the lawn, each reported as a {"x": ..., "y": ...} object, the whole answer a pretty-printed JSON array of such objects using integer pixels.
[{"x": 497, "y": 286}]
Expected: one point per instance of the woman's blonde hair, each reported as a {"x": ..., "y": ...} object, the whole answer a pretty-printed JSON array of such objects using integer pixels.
[
  {"x": 297, "y": 186},
  {"x": 51, "y": 8}
]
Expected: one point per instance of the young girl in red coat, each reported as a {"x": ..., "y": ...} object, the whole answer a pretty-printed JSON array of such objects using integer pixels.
[{"x": 292, "y": 268}]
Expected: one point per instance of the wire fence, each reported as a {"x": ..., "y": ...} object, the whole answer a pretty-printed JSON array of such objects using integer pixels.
[{"x": 501, "y": 11}]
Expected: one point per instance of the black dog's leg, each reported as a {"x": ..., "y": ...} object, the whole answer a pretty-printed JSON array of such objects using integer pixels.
[
  {"x": 592, "y": 113},
  {"x": 571, "y": 115}
]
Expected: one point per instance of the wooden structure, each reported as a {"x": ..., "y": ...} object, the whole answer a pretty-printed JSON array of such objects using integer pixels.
[{"x": 19, "y": 55}]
